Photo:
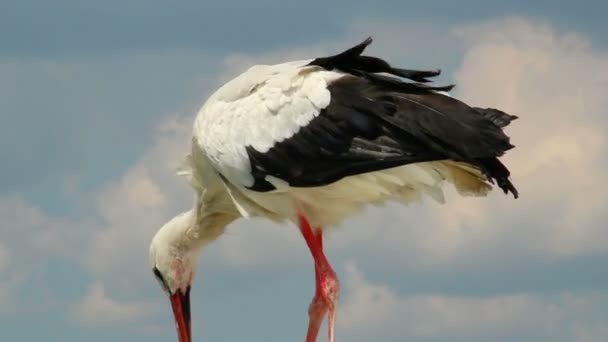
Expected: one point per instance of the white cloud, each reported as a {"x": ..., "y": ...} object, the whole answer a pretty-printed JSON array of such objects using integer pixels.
[
  {"x": 29, "y": 229},
  {"x": 114, "y": 240},
  {"x": 370, "y": 310},
  {"x": 8, "y": 281},
  {"x": 30, "y": 240},
  {"x": 133, "y": 208},
  {"x": 34, "y": 235},
  {"x": 13, "y": 275},
  {"x": 98, "y": 309},
  {"x": 556, "y": 83},
  {"x": 5, "y": 257},
  {"x": 8, "y": 292}
]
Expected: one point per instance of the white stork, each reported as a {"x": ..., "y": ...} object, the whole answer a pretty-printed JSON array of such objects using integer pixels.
[{"x": 313, "y": 142}]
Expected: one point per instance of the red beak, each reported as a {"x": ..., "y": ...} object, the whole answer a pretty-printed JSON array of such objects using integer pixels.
[{"x": 180, "y": 302}]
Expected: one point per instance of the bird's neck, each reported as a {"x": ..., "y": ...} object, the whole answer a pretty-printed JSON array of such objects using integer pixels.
[
  {"x": 186, "y": 233},
  {"x": 213, "y": 209},
  {"x": 205, "y": 224}
]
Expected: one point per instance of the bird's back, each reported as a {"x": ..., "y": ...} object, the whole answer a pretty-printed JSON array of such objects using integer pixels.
[{"x": 335, "y": 133}]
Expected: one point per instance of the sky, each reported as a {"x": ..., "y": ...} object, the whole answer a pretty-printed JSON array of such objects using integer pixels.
[{"x": 97, "y": 100}]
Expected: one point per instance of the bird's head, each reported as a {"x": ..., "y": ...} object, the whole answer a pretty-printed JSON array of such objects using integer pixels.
[
  {"x": 174, "y": 253},
  {"x": 173, "y": 260}
]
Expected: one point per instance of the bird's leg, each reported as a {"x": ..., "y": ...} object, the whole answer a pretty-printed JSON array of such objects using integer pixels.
[{"x": 327, "y": 285}]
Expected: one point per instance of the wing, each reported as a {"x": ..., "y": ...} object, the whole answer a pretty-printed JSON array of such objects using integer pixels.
[
  {"x": 340, "y": 117},
  {"x": 258, "y": 109}
]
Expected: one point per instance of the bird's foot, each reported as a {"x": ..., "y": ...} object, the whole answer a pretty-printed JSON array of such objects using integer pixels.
[{"x": 324, "y": 301}]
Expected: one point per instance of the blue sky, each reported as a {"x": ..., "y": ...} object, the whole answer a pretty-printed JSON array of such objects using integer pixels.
[{"x": 96, "y": 105}]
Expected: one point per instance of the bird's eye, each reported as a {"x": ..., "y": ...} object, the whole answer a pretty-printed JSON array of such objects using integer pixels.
[{"x": 160, "y": 279}]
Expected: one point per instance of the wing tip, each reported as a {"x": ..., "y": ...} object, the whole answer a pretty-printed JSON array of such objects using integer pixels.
[
  {"x": 507, "y": 186},
  {"x": 354, "y": 51},
  {"x": 368, "y": 41},
  {"x": 495, "y": 170},
  {"x": 496, "y": 116}
]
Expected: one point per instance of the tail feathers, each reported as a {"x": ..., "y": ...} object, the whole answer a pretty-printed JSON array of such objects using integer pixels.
[
  {"x": 466, "y": 178},
  {"x": 498, "y": 117},
  {"x": 495, "y": 170}
]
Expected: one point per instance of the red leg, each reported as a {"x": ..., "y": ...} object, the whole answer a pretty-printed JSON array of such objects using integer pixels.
[{"x": 327, "y": 285}]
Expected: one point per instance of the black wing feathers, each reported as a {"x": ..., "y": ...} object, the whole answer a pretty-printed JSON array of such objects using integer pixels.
[
  {"x": 498, "y": 117},
  {"x": 351, "y": 61},
  {"x": 377, "y": 121}
]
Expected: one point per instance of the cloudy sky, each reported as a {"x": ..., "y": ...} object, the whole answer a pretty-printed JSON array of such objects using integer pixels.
[{"x": 96, "y": 105}]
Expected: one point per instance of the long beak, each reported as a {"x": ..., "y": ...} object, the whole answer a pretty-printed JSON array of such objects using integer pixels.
[{"x": 180, "y": 302}]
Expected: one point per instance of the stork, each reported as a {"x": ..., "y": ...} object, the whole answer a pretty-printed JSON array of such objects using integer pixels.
[{"x": 313, "y": 142}]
